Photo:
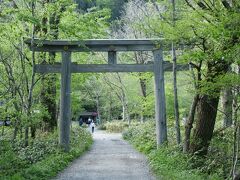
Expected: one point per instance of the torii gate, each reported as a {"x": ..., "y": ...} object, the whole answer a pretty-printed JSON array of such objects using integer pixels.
[{"x": 112, "y": 46}]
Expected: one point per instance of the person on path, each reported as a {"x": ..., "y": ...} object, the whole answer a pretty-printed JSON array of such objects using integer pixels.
[
  {"x": 89, "y": 121},
  {"x": 80, "y": 121},
  {"x": 92, "y": 126}
]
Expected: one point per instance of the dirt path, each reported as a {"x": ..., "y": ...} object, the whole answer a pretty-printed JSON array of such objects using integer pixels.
[{"x": 110, "y": 158}]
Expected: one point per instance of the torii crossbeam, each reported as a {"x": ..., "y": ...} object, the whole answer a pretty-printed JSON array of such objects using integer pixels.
[{"x": 112, "y": 46}]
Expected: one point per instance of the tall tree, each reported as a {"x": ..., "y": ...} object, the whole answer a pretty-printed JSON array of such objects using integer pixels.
[
  {"x": 50, "y": 29},
  {"x": 227, "y": 103},
  {"x": 135, "y": 12},
  {"x": 37, "y": 19},
  {"x": 174, "y": 58},
  {"x": 217, "y": 64}
]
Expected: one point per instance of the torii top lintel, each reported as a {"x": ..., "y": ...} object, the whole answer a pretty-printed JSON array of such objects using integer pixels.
[{"x": 97, "y": 45}]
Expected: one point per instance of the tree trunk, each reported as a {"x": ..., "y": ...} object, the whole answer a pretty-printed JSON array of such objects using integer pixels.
[
  {"x": 235, "y": 150},
  {"x": 98, "y": 109},
  {"x": 235, "y": 175},
  {"x": 124, "y": 100},
  {"x": 227, "y": 101},
  {"x": 21, "y": 132},
  {"x": 110, "y": 108},
  {"x": 174, "y": 58},
  {"x": 48, "y": 92},
  {"x": 127, "y": 114},
  {"x": 142, "y": 118},
  {"x": 48, "y": 99},
  {"x": 26, "y": 136},
  {"x": 144, "y": 94},
  {"x": 2, "y": 130},
  {"x": 206, "y": 117},
  {"x": 123, "y": 112},
  {"x": 141, "y": 59},
  {"x": 176, "y": 107},
  {"x": 17, "y": 122},
  {"x": 33, "y": 131},
  {"x": 15, "y": 132},
  {"x": 32, "y": 82},
  {"x": 189, "y": 123},
  {"x": 235, "y": 99}
]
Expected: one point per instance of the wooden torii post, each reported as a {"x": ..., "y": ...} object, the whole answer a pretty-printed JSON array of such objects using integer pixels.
[{"x": 112, "y": 46}]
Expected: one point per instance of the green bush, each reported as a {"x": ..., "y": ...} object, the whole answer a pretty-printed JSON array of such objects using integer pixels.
[
  {"x": 168, "y": 162},
  {"x": 9, "y": 161},
  {"x": 142, "y": 136},
  {"x": 171, "y": 164},
  {"x": 116, "y": 126},
  {"x": 39, "y": 148},
  {"x": 44, "y": 159}
]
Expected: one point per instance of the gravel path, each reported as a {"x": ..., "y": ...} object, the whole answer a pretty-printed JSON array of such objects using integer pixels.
[{"x": 110, "y": 158}]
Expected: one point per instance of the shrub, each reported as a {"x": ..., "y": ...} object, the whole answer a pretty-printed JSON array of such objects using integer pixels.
[
  {"x": 168, "y": 162},
  {"x": 38, "y": 161},
  {"x": 9, "y": 161},
  {"x": 142, "y": 136},
  {"x": 116, "y": 126}
]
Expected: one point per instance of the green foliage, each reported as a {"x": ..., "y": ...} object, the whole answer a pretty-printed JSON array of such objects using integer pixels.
[
  {"x": 9, "y": 161},
  {"x": 38, "y": 160},
  {"x": 39, "y": 148},
  {"x": 116, "y": 126},
  {"x": 168, "y": 162},
  {"x": 116, "y": 7},
  {"x": 142, "y": 136},
  {"x": 87, "y": 26}
]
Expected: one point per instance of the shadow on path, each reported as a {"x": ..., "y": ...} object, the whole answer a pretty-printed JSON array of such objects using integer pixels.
[{"x": 110, "y": 158}]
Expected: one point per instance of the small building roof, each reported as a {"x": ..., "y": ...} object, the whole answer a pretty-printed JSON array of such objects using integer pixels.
[{"x": 88, "y": 114}]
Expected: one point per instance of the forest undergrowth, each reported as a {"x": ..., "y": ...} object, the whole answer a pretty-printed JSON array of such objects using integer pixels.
[
  {"x": 43, "y": 158},
  {"x": 169, "y": 161}
]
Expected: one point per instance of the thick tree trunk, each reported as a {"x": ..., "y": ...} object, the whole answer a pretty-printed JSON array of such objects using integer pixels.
[
  {"x": 206, "y": 117},
  {"x": 227, "y": 102},
  {"x": 48, "y": 99},
  {"x": 49, "y": 91},
  {"x": 189, "y": 123},
  {"x": 33, "y": 132}
]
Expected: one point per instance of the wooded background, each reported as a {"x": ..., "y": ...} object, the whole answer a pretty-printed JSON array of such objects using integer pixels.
[{"x": 202, "y": 103}]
